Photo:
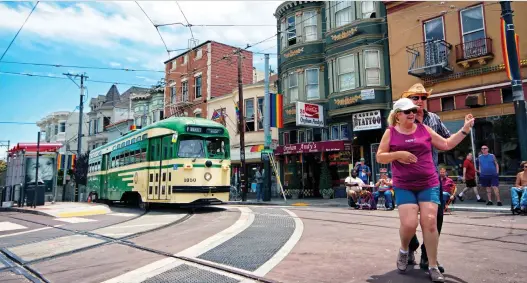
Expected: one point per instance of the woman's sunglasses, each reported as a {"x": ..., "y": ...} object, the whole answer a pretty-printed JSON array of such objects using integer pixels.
[
  {"x": 415, "y": 98},
  {"x": 407, "y": 112}
]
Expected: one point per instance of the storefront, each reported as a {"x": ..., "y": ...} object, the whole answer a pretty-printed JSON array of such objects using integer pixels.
[{"x": 301, "y": 165}]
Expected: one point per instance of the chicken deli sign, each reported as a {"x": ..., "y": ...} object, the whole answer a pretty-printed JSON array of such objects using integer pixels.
[
  {"x": 311, "y": 115},
  {"x": 367, "y": 121}
]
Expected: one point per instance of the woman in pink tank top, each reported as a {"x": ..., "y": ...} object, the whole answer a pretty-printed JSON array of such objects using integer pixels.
[{"x": 407, "y": 145}]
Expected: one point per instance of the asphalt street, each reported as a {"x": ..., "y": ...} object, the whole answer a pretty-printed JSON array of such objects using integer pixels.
[{"x": 249, "y": 244}]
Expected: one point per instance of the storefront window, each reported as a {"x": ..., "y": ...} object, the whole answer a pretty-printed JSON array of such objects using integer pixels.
[
  {"x": 335, "y": 135},
  {"x": 344, "y": 133},
  {"x": 498, "y": 133}
]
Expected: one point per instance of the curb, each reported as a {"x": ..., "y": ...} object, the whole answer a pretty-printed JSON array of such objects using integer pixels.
[
  {"x": 452, "y": 208},
  {"x": 16, "y": 209}
]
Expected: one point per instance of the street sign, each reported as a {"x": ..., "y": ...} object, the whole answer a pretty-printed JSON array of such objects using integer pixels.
[
  {"x": 267, "y": 151},
  {"x": 265, "y": 156}
]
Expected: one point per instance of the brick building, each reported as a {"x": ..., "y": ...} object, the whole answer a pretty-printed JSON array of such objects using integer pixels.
[{"x": 209, "y": 70}]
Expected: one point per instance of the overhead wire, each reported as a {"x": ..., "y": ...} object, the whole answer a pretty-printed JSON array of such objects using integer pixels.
[
  {"x": 157, "y": 29},
  {"x": 189, "y": 25},
  {"x": 80, "y": 67},
  {"x": 19, "y": 30},
  {"x": 63, "y": 78}
]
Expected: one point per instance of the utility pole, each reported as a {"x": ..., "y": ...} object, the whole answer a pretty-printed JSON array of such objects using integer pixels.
[
  {"x": 267, "y": 132},
  {"x": 241, "y": 127},
  {"x": 37, "y": 164},
  {"x": 516, "y": 82},
  {"x": 79, "y": 137},
  {"x": 65, "y": 170}
]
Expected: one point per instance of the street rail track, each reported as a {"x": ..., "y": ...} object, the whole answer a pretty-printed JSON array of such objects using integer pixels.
[{"x": 25, "y": 265}]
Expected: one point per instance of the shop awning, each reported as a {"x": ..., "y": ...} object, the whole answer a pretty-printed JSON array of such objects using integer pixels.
[
  {"x": 32, "y": 147},
  {"x": 313, "y": 147}
]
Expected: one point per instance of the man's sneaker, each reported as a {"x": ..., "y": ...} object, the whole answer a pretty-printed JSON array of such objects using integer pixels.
[
  {"x": 499, "y": 203},
  {"x": 460, "y": 198},
  {"x": 411, "y": 258},
  {"x": 490, "y": 203},
  {"x": 436, "y": 275},
  {"x": 424, "y": 265},
  {"x": 481, "y": 200},
  {"x": 402, "y": 260}
]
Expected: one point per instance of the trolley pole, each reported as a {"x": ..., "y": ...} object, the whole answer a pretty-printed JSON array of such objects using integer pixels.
[
  {"x": 267, "y": 133},
  {"x": 241, "y": 127},
  {"x": 516, "y": 82},
  {"x": 37, "y": 164}
]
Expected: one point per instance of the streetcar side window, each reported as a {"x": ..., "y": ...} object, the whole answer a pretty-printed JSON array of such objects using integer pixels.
[
  {"x": 113, "y": 162},
  {"x": 133, "y": 140},
  {"x": 144, "y": 137},
  {"x": 143, "y": 154}
]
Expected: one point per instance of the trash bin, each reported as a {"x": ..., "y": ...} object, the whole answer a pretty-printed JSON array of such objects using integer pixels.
[{"x": 35, "y": 194}]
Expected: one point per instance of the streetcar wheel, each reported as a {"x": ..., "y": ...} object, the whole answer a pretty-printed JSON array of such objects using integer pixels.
[{"x": 143, "y": 205}]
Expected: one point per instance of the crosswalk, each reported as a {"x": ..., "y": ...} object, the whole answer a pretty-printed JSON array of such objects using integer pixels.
[{"x": 9, "y": 226}]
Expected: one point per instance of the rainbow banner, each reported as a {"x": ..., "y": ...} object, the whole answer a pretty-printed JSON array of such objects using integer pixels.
[
  {"x": 504, "y": 48},
  {"x": 277, "y": 106},
  {"x": 65, "y": 161}
]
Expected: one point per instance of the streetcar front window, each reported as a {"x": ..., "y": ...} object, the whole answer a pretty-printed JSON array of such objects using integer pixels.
[
  {"x": 191, "y": 147},
  {"x": 216, "y": 148}
]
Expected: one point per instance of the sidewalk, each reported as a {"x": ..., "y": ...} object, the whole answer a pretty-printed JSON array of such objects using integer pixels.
[
  {"x": 64, "y": 209},
  {"x": 467, "y": 205}
]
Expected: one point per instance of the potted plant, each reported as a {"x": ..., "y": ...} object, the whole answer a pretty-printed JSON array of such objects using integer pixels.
[{"x": 324, "y": 186}]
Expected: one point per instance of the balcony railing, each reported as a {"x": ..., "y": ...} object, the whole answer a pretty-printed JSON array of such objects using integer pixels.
[
  {"x": 429, "y": 59},
  {"x": 474, "y": 49}
]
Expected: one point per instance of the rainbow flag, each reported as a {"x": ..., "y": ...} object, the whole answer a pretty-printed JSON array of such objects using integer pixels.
[
  {"x": 277, "y": 106},
  {"x": 65, "y": 161},
  {"x": 504, "y": 48},
  {"x": 237, "y": 110}
]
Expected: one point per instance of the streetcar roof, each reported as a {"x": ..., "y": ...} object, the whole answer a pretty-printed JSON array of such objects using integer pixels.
[{"x": 177, "y": 124}]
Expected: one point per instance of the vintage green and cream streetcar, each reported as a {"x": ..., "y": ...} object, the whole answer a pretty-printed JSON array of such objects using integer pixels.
[{"x": 178, "y": 160}]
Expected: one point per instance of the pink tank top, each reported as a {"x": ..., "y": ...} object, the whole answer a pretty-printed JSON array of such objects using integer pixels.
[{"x": 416, "y": 176}]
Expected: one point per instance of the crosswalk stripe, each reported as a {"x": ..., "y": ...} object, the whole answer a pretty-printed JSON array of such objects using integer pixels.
[{"x": 8, "y": 226}]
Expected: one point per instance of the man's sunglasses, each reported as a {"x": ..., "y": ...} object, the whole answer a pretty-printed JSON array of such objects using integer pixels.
[
  {"x": 416, "y": 98},
  {"x": 407, "y": 112}
]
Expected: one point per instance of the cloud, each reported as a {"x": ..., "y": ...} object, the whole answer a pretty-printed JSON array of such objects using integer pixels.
[{"x": 115, "y": 64}]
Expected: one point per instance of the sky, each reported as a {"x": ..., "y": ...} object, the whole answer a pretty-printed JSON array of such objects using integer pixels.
[{"x": 108, "y": 34}]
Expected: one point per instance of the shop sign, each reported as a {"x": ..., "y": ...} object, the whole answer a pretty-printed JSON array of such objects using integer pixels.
[
  {"x": 367, "y": 94},
  {"x": 311, "y": 115},
  {"x": 348, "y": 100},
  {"x": 294, "y": 52},
  {"x": 344, "y": 34},
  {"x": 369, "y": 120},
  {"x": 310, "y": 147}
]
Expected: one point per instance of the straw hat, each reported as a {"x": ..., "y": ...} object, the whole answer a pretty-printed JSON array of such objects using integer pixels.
[{"x": 417, "y": 88}]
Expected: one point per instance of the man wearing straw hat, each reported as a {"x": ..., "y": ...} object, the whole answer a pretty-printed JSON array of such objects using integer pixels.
[{"x": 418, "y": 94}]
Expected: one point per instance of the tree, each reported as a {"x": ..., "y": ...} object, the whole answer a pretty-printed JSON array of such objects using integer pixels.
[
  {"x": 3, "y": 166},
  {"x": 81, "y": 169},
  {"x": 325, "y": 179}
]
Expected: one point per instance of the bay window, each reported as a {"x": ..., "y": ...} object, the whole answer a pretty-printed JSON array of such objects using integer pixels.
[
  {"x": 293, "y": 87},
  {"x": 344, "y": 13},
  {"x": 368, "y": 9},
  {"x": 291, "y": 30},
  {"x": 346, "y": 72},
  {"x": 372, "y": 65},
  {"x": 310, "y": 26},
  {"x": 312, "y": 84},
  {"x": 283, "y": 42}
]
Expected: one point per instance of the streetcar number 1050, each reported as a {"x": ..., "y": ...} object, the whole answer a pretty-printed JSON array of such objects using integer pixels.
[{"x": 189, "y": 180}]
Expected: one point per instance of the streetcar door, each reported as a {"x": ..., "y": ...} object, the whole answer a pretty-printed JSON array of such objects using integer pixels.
[
  {"x": 154, "y": 173},
  {"x": 166, "y": 172},
  {"x": 105, "y": 166}
]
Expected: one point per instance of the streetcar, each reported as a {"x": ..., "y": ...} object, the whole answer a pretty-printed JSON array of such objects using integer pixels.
[{"x": 179, "y": 160}]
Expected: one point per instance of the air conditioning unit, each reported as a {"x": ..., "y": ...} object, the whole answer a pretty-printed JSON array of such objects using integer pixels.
[{"x": 475, "y": 100}]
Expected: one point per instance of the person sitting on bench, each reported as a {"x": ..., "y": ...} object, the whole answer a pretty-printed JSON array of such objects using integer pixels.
[
  {"x": 353, "y": 188},
  {"x": 385, "y": 189},
  {"x": 520, "y": 187}
]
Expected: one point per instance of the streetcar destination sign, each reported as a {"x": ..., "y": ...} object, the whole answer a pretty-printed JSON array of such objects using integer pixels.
[{"x": 203, "y": 130}]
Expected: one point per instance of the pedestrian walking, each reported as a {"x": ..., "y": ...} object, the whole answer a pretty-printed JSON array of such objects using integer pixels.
[
  {"x": 469, "y": 177},
  {"x": 489, "y": 174},
  {"x": 418, "y": 94},
  {"x": 259, "y": 183},
  {"x": 408, "y": 147}
]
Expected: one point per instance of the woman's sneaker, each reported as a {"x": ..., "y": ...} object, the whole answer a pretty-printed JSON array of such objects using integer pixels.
[
  {"x": 436, "y": 275},
  {"x": 402, "y": 260}
]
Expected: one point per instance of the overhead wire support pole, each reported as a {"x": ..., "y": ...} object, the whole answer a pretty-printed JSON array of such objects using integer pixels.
[
  {"x": 267, "y": 132},
  {"x": 512, "y": 59},
  {"x": 241, "y": 127}
]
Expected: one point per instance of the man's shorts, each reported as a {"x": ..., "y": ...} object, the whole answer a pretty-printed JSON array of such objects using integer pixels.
[
  {"x": 489, "y": 181},
  {"x": 404, "y": 196},
  {"x": 471, "y": 183}
]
